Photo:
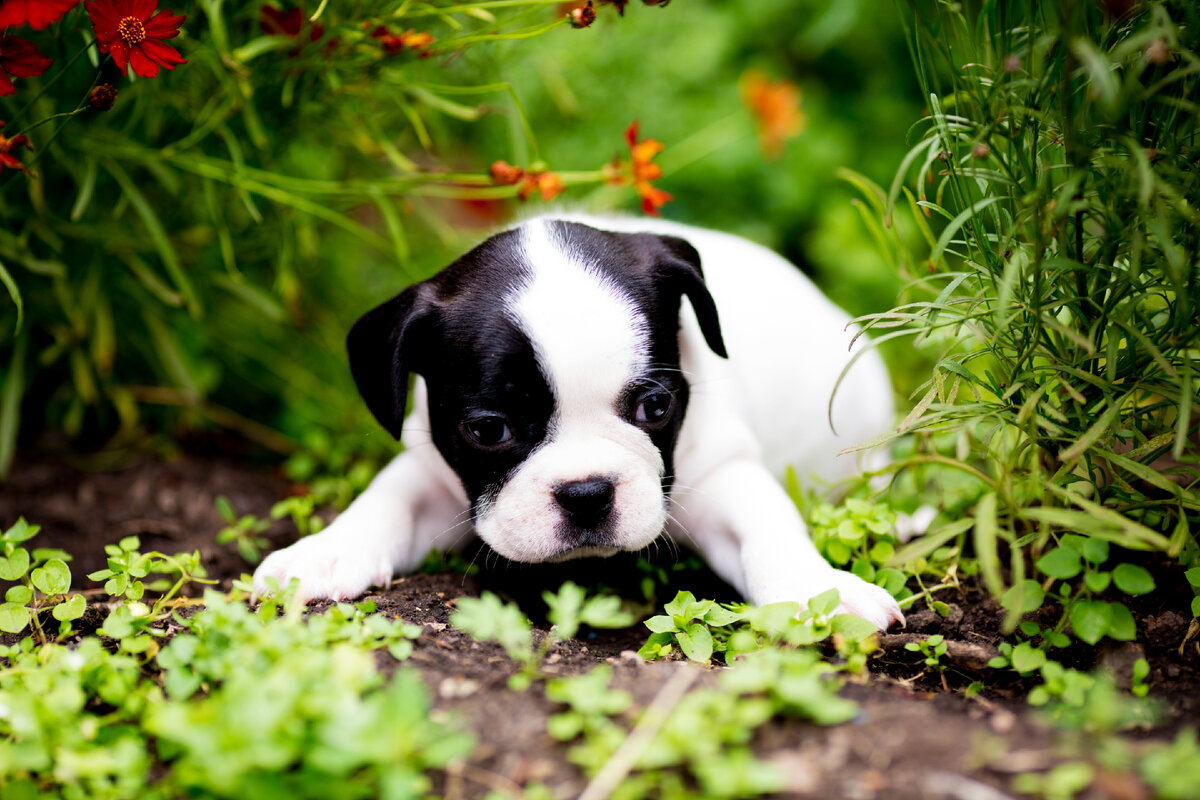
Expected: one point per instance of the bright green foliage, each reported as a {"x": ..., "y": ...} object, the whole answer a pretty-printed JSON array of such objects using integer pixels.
[
  {"x": 1077, "y": 566},
  {"x": 857, "y": 534},
  {"x": 489, "y": 619},
  {"x": 702, "y": 628},
  {"x": 1174, "y": 769},
  {"x": 933, "y": 648},
  {"x": 705, "y": 736},
  {"x": 240, "y": 704},
  {"x": 1046, "y": 216},
  {"x": 244, "y": 531},
  {"x": 571, "y": 607},
  {"x": 45, "y": 571}
]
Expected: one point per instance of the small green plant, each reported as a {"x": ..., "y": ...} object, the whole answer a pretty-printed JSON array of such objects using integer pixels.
[
  {"x": 42, "y": 580},
  {"x": 1075, "y": 574},
  {"x": 932, "y": 647},
  {"x": 244, "y": 532},
  {"x": 701, "y": 629},
  {"x": 489, "y": 619}
]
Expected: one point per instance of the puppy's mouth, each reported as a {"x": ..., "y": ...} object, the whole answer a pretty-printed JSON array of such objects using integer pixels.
[{"x": 582, "y": 551}]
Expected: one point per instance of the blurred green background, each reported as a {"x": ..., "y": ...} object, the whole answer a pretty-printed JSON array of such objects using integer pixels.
[{"x": 190, "y": 261}]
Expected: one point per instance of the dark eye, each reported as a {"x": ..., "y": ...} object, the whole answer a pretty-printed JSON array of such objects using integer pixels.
[
  {"x": 653, "y": 408},
  {"x": 488, "y": 430}
]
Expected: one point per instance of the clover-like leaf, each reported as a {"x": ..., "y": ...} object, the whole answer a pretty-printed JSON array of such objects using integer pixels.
[
  {"x": 696, "y": 642},
  {"x": 1061, "y": 562},
  {"x": 1090, "y": 619},
  {"x": 53, "y": 577},
  {"x": 15, "y": 566},
  {"x": 71, "y": 609},
  {"x": 1132, "y": 579},
  {"x": 13, "y": 617}
]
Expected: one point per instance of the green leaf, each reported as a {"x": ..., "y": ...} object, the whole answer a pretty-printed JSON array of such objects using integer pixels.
[
  {"x": 661, "y": 624},
  {"x": 852, "y": 627},
  {"x": 1094, "y": 550},
  {"x": 72, "y": 609},
  {"x": 986, "y": 548},
  {"x": 1196, "y": 606},
  {"x": 1097, "y": 581},
  {"x": 53, "y": 577},
  {"x": 1090, "y": 619},
  {"x": 1193, "y": 576},
  {"x": 696, "y": 642},
  {"x": 15, "y": 566},
  {"x": 1023, "y": 597},
  {"x": 1132, "y": 579},
  {"x": 1026, "y": 658},
  {"x": 720, "y": 617},
  {"x": 13, "y": 617},
  {"x": 1121, "y": 625},
  {"x": 21, "y": 531},
  {"x": 1061, "y": 563},
  {"x": 20, "y": 594},
  {"x": 825, "y": 603}
]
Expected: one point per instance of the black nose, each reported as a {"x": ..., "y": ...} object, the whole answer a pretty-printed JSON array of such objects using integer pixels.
[{"x": 587, "y": 502}]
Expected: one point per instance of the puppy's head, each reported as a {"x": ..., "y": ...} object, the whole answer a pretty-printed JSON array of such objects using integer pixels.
[{"x": 551, "y": 357}]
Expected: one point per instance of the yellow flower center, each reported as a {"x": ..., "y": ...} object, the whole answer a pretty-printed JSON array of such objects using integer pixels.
[{"x": 130, "y": 29}]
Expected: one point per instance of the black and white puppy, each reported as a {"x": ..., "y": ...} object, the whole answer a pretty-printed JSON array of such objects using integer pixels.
[{"x": 573, "y": 381}]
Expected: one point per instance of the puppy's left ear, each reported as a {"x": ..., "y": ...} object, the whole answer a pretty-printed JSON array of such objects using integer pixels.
[{"x": 680, "y": 269}]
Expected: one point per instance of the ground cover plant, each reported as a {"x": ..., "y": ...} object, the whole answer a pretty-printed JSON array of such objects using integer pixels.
[{"x": 1044, "y": 217}]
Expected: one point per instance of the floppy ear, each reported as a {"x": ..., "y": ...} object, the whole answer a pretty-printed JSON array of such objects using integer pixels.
[
  {"x": 383, "y": 347},
  {"x": 681, "y": 270}
]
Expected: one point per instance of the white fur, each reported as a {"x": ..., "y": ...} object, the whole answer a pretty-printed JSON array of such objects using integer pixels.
[{"x": 749, "y": 417}]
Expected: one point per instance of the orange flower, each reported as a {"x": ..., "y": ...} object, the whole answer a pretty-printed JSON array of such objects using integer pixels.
[
  {"x": 776, "y": 109},
  {"x": 548, "y": 184},
  {"x": 640, "y": 171},
  {"x": 393, "y": 43},
  {"x": 7, "y": 146}
]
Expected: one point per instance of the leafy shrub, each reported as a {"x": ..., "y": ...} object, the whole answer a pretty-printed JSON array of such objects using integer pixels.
[
  {"x": 1050, "y": 232},
  {"x": 164, "y": 240}
]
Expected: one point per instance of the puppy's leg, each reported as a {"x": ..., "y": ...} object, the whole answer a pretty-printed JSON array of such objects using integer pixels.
[
  {"x": 753, "y": 537},
  {"x": 389, "y": 528}
]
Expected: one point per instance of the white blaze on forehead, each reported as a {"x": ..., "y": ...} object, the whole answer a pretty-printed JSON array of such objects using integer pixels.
[{"x": 589, "y": 338}]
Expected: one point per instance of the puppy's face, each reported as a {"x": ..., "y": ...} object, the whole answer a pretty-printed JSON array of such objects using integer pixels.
[{"x": 551, "y": 358}]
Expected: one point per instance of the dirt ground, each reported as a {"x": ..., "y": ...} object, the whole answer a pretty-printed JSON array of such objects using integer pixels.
[{"x": 914, "y": 737}]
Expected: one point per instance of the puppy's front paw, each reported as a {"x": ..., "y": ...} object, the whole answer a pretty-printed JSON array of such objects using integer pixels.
[
  {"x": 866, "y": 600},
  {"x": 328, "y": 566}
]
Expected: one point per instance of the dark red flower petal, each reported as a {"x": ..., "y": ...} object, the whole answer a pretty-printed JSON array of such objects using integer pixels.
[
  {"x": 120, "y": 54},
  {"x": 142, "y": 65},
  {"x": 38, "y": 14},
  {"x": 6, "y": 86},
  {"x": 22, "y": 59},
  {"x": 163, "y": 26},
  {"x": 161, "y": 53}
]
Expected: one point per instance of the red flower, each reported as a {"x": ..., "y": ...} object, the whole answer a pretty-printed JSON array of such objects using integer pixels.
[
  {"x": 36, "y": 13},
  {"x": 7, "y": 159},
  {"x": 640, "y": 171},
  {"x": 132, "y": 32},
  {"x": 20, "y": 59}
]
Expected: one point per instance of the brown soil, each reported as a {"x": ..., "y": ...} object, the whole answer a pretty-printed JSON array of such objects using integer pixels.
[{"x": 918, "y": 735}]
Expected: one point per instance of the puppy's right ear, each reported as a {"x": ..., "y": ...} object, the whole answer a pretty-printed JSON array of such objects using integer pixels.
[{"x": 385, "y": 345}]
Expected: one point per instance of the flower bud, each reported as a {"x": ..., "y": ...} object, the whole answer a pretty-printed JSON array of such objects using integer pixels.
[
  {"x": 102, "y": 97},
  {"x": 583, "y": 16}
]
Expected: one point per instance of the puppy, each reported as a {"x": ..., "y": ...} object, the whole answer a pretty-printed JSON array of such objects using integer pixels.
[{"x": 583, "y": 387}]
